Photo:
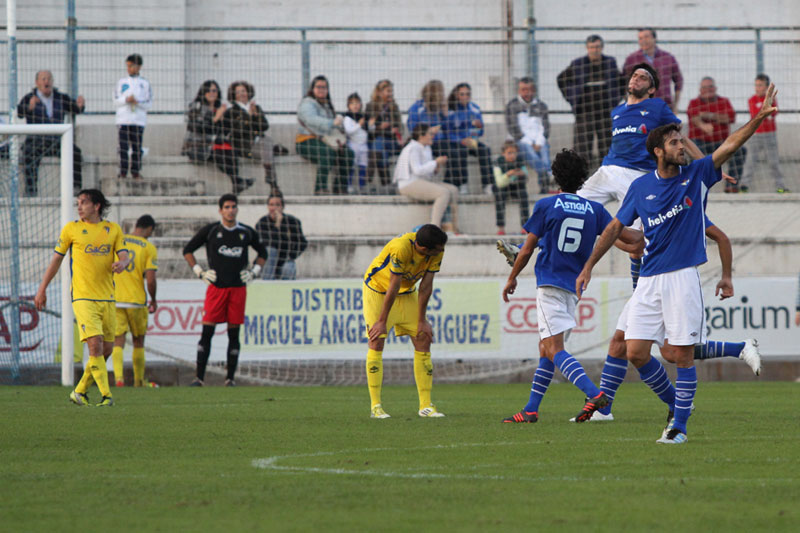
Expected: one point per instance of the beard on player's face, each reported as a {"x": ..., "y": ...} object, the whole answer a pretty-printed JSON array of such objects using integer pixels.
[{"x": 638, "y": 93}]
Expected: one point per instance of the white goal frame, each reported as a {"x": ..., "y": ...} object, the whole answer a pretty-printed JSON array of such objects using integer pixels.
[{"x": 65, "y": 131}]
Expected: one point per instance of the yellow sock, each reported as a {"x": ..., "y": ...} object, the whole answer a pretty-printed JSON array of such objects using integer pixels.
[
  {"x": 374, "y": 375},
  {"x": 138, "y": 367},
  {"x": 97, "y": 365},
  {"x": 86, "y": 380},
  {"x": 119, "y": 369},
  {"x": 423, "y": 375}
]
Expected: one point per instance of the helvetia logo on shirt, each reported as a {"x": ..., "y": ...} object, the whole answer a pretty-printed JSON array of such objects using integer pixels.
[
  {"x": 673, "y": 212},
  {"x": 641, "y": 129}
]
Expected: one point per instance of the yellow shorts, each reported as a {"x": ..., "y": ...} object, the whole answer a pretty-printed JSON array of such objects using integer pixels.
[
  {"x": 403, "y": 316},
  {"x": 95, "y": 318},
  {"x": 133, "y": 319}
]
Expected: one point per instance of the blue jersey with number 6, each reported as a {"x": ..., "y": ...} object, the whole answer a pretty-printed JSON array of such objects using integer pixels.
[{"x": 567, "y": 226}]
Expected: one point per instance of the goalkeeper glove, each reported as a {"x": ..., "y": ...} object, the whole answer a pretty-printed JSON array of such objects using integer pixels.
[
  {"x": 209, "y": 276},
  {"x": 248, "y": 275}
]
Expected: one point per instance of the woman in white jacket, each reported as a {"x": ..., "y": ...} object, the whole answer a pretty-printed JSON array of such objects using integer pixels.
[{"x": 414, "y": 172}]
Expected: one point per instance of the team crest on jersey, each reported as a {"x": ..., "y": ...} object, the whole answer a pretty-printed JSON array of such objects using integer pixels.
[
  {"x": 108, "y": 230},
  {"x": 85, "y": 232},
  {"x": 241, "y": 236},
  {"x": 219, "y": 235},
  {"x": 644, "y": 112},
  {"x": 685, "y": 182}
]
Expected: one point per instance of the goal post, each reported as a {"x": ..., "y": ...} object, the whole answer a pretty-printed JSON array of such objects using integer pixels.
[{"x": 13, "y": 215}]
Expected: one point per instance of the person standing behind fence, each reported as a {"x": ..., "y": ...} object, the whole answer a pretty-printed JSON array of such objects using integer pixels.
[
  {"x": 592, "y": 85},
  {"x": 529, "y": 126},
  {"x": 431, "y": 109},
  {"x": 356, "y": 125},
  {"x": 318, "y": 119},
  {"x": 387, "y": 136},
  {"x": 663, "y": 62},
  {"x": 47, "y": 105},
  {"x": 511, "y": 181},
  {"x": 465, "y": 128},
  {"x": 131, "y": 300},
  {"x": 282, "y": 236},
  {"x": 710, "y": 119},
  {"x": 762, "y": 148},
  {"x": 133, "y": 97}
]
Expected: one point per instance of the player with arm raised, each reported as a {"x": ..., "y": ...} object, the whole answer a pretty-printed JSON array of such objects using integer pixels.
[
  {"x": 132, "y": 306},
  {"x": 92, "y": 243},
  {"x": 390, "y": 300},
  {"x": 227, "y": 277},
  {"x": 668, "y": 301},
  {"x": 565, "y": 227}
]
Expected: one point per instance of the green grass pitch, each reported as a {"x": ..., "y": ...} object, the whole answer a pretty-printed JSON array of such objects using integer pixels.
[{"x": 310, "y": 458}]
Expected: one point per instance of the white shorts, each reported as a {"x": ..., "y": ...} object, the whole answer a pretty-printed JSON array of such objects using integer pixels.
[
  {"x": 608, "y": 183},
  {"x": 668, "y": 306},
  {"x": 622, "y": 321},
  {"x": 555, "y": 311}
]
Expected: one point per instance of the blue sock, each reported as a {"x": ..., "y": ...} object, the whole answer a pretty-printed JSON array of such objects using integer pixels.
[
  {"x": 541, "y": 380},
  {"x": 613, "y": 375},
  {"x": 655, "y": 376},
  {"x": 573, "y": 371},
  {"x": 715, "y": 349},
  {"x": 636, "y": 265},
  {"x": 685, "y": 388}
]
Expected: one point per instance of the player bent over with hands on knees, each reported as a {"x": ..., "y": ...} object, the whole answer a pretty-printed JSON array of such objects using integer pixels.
[
  {"x": 92, "y": 243},
  {"x": 227, "y": 277},
  {"x": 390, "y": 300},
  {"x": 565, "y": 227},
  {"x": 668, "y": 301}
]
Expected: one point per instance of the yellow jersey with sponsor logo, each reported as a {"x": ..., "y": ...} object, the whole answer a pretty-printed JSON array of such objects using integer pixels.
[
  {"x": 400, "y": 257},
  {"x": 129, "y": 284},
  {"x": 93, "y": 248}
]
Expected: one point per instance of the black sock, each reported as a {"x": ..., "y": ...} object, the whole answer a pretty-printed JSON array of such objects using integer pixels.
[
  {"x": 233, "y": 351},
  {"x": 204, "y": 350}
]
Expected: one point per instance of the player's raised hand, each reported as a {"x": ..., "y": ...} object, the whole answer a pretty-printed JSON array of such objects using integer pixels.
[
  {"x": 510, "y": 287},
  {"x": 767, "y": 108},
  {"x": 724, "y": 288},
  {"x": 582, "y": 282}
]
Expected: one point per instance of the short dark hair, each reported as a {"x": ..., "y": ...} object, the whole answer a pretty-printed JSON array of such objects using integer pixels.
[
  {"x": 656, "y": 137},
  {"x": 96, "y": 197},
  {"x": 277, "y": 195},
  {"x": 353, "y": 96},
  {"x": 526, "y": 79},
  {"x": 509, "y": 144},
  {"x": 136, "y": 59},
  {"x": 593, "y": 38},
  {"x": 763, "y": 77},
  {"x": 419, "y": 130},
  {"x": 431, "y": 236},
  {"x": 651, "y": 30},
  {"x": 145, "y": 221},
  {"x": 570, "y": 170},
  {"x": 650, "y": 70},
  {"x": 229, "y": 197}
]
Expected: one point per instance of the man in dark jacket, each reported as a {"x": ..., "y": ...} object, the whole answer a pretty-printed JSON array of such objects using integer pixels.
[
  {"x": 592, "y": 86},
  {"x": 47, "y": 105},
  {"x": 282, "y": 236}
]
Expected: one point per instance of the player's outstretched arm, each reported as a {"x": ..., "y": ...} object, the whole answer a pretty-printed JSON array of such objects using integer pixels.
[
  {"x": 738, "y": 138},
  {"x": 523, "y": 257},
  {"x": 603, "y": 244},
  {"x": 725, "y": 285},
  {"x": 40, "y": 300}
]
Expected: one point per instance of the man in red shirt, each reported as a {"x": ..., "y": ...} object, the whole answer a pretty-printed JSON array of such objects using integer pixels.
[
  {"x": 762, "y": 148},
  {"x": 710, "y": 119}
]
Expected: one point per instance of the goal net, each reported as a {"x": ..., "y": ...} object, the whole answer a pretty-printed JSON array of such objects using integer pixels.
[{"x": 36, "y": 199}]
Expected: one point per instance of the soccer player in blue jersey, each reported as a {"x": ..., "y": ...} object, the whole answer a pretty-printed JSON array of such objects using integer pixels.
[
  {"x": 564, "y": 227},
  {"x": 668, "y": 301}
]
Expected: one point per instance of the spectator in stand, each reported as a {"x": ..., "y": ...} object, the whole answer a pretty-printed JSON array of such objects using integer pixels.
[
  {"x": 414, "y": 172},
  {"x": 317, "y": 119},
  {"x": 431, "y": 109},
  {"x": 247, "y": 124},
  {"x": 386, "y": 138},
  {"x": 762, "y": 148},
  {"x": 47, "y": 105},
  {"x": 282, "y": 236},
  {"x": 203, "y": 122},
  {"x": 665, "y": 64},
  {"x": 133, "y": 97},
  {"x": 465, "y": 127},
  {"x": 593, "y": 86},
  {"x": 529, "y": 126},
  {"x": 710, "y": 119},
  {"x": 356, "y": 128},
  {"x": 511, "y": 181}
]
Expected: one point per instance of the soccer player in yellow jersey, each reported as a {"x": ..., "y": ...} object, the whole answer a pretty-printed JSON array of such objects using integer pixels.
[
  {"x": 132, "y": 306},
  {"x": 93, "y": 244},
  {"x": 390, "y": 300}
]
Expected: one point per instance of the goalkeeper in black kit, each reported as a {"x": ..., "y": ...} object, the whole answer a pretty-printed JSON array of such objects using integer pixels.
[{"x": 228, "y": 274}]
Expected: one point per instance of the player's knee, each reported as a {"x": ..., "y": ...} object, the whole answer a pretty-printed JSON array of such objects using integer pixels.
[{"x": 616, "y": 348}]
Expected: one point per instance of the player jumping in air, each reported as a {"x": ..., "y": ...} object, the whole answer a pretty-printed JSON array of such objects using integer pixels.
[{"x": 390, "y": 300}]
